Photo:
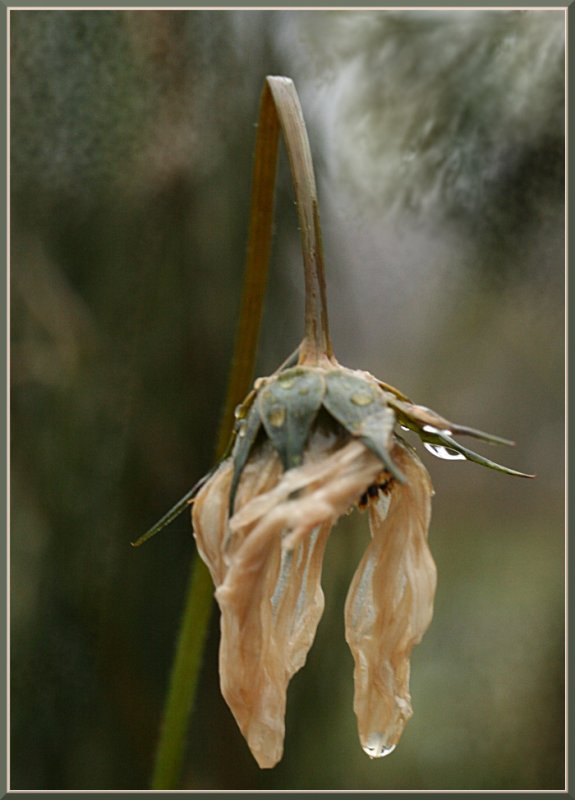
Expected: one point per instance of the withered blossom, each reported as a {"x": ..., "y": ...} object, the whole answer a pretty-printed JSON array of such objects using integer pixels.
[{"x": 312, "y": 442}]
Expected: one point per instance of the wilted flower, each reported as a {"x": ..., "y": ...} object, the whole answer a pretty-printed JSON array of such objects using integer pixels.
[{"x": 312, "y": 442}]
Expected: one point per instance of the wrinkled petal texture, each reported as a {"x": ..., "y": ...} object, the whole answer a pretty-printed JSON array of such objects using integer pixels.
[
  {"x": 266, "y": 564},
  {"x": 390, "y": 605}
]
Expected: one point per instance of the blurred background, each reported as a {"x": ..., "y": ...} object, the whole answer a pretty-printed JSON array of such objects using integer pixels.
[{"x": 438, "y": 142}]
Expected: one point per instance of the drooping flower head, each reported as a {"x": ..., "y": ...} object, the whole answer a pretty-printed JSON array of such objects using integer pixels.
[{"x": 312, "y": 442}]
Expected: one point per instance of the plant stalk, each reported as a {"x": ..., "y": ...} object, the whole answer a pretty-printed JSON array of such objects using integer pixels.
[
  {"x": 281, "y": 91},
  {"x": 184, "y": 678}
]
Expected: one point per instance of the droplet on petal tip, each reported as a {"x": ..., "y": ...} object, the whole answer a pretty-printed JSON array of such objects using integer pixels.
[{"x": 375, "y": 746}]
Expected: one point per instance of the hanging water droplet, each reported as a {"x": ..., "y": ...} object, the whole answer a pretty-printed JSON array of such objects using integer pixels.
[
  {"x": 433, "y": 429},
  {"x": 361, "y": 398},
  {"x": 439, "y": 450},
  {"x": 446, "y": 453},
  {"x": 375, "y": 747}
]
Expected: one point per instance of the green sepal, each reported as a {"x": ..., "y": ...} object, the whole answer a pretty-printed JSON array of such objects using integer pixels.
[
  {"x": 375, "y": 432},
  {"x": 415, "y": 417},
  {"x": 443, "y": 438},
  {"x": 463, "y": 430},
  {"x": 434, "y": 429},
  {"x": 245, "y": 436},
  {"x": 288, "y": 406},
  {"x": 361, "y": 408},
  {"x": 175, "y": 511}
]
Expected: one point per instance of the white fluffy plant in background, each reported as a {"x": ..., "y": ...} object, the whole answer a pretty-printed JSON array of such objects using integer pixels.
[{"x": 433, "y": 110}]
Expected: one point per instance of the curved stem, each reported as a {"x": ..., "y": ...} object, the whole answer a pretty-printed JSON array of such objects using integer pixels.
[
  {"x": 279, "y": 110},
  {"x": 281, "y": 92}
]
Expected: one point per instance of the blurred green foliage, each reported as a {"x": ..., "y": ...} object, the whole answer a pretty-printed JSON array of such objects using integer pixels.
[{"x": 132, "y": 140}]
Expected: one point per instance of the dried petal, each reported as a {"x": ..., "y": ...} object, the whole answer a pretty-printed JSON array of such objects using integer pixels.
[
  {"x": 268, "y": 572},
  {"x": 210, "y": 519},
  {"x": 390, "y": 605}
]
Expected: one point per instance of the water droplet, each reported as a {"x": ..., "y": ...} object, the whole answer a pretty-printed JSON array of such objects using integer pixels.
[
  {"x": 242, "y": 431},
  {"x": 404, "y": 427},
  {"x": 433, "y": 429},
  {"x": 375, "y": 747},
  {"x": 446, "y": 453},
  {"x": 361, "y": 398},
  {"x": 277, "y": 416}
]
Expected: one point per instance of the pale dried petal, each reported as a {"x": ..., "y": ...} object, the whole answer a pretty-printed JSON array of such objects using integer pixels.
[
  {"x": 211, "y": 508},
  {"x": 270, "y": 596},
  {"x": 210, "y": 519},
  {"x": 390, "y": 605}
]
